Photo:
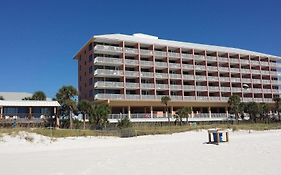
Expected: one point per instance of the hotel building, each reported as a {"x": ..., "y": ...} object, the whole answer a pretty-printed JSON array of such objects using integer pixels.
[{"x": 132, "y": 72}]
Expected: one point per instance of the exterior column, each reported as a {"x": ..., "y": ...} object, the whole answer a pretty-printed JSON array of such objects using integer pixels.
[
  {"x": 151, "y": 111},
  {"x": 172, "y": 109},
  {"x": 226, "y": 111},
  {"x": 210, "y": 113},
  {"x": 192, "y": 112},
  {"x": 30, "y": 112},
  {"x": 129, "y": 112},
  {"x": 1, "y": 112},
  {"x": 57, "y": 118}
]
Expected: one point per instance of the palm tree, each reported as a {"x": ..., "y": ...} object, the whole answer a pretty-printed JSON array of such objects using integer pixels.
[
  {"x": 253, "y": 109},
  {"x": 165, "y": 100},
  {"x": 39, "y": 95},
  {"x": 277, "y": 101},
  {"x": 2, "y": 98},
  {"x": 264, "y": 110},
  {"x": 66, "y": 97},
  {"x": 234, "y": 103},
  {"x": 183, "y": 113},
  {"x": 85, "y": 107},
  {"x": 99, "y": 114}
]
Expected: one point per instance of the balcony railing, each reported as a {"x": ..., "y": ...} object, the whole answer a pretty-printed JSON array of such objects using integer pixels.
[
  {"x": 173, "y": 54},
  {"x": 210, "y": 58},
  {"x": 235, "y": 70},
  {"x": 246, "y": 80},
  {"x": 224, "y": 79},
  {"x": 131, "y": 62},
  {"x": 174, "y": 65},
  {"x": 131, "y": 50},
  {"x": 160, "y": 64},
  {"x": 132, "y": 85},
  {"x": 132, "y": 74},
  {"x": 160, "y": 53},
  {"x": 247, "y": 71},
  {"x": 109, "y": 96},
  {"x": 256, "y": 80},
  {"x": 107, "y": 72},
  {"x": 201, "y": 88},
  {"x": 146, "y": 52},
  {"x": 162, "y": 86},
  {"x": 146, "y": 63},
  {"x": 147, "y": 74},
  {"x": 243, "y": 61},
  {"x": 161, "y": 75},
  {"x": 237, "y": 80},
  {"x": 108, "y": 48},
  {"x": 187, "y": 66},
  {"x": 223, "y": 69},
  {"x": 147, "y": 86},
  {"x": 267, "y": 90},
  {"x": 199, "y": 67},
  {"x": 199, "y": 57},
  {"x": 148, "y": 96},
  {"x": 255, "y": 62},
  {"x": 202, "y": 98},
  {"x": 212, "y": 68},
  {"x": 214, "y": 98},
  {"x": 235, "y": 89},
  {"x": 132, "y": 97},
  {"x": 175, "y": 76},
  {"x": 213, "y": 78},
  {"x": 188, "y": 77},
  {"x": 189, "y": 98},
  {"x": 188, "y": 87},
  {"x": 214, "y": 88},
  {"x": 107, "y": 84},
  {"x": 175, "y": 87},
  {"x": 107, "y": 60},
  {"x": 223, "y": 59},
  {"x": 176, "y": 97},
  {"x": 256, "y": 71},
  {"x": 225, "y": 89},
  {"x": 186, "y": 56},
  {"x": 202, "y": 78},
  {"x": 234, "y": 60},
  {"x": 266, "y": 81}
]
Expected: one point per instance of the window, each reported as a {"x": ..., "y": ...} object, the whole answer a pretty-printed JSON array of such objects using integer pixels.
[
  {"x": 90, "y": 81},
  {"x": 90, "y": 58},
  {"x": 90, "y": 69}
]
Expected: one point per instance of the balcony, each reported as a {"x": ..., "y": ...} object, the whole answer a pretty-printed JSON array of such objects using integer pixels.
[
  {"x": 160, "y": 64},
  {"x": 132, "y": 85},
  {"x": 202, "y": 98},
  {"x": 267, "y": 91},
  {"x": 236, "y": 70},
  {"x": 146, "y": 63},
  {"x": 265, "y": 72},
  {"x": 131, "y": 51},
  {"x": 254, "y": 71},
  {"x": 175, "y": 87},
  {"x": 147, "y": 74},
  {"x": 147, "y": 86},
  {"x": 201, "y": 88},
  {"x": 235, "y": 89},
  {"x": 213, "y": 78},
  {"x": 200, "y": 67},
  {"x": 108, "y": 85},
  {"x": 246, "y": 71},
  {"x": 266, "y": 81},
  {"x": 108, "y": 72},
  {"x": 162, "y": 86},
  {"x": 236, "y": 80},
  {"x": 160, "y": 54},
  {"x": 131, "y": 62},
  {"x": 200, "y": 78},
  {"x": 214, "y": 98},
  {"x": 223, "y": 59},
  {"x": 199, "y": 57},
  {"x": 246, "y": 80},
  {"x": 186, "y": 56},
  {"x": 161, "y": 75},
  {"x": 109, "y": 96},
  {"x": 188, "y": 88},
  {"x": 174, "y": 65},
  {"x": 243, "y": 61},
  {"x": 225, "y": 89},
  {"x": 214, "y": 88},
  {"x": 188, "y": 77},
  {"x": 255, "y": 63},
  {"x": 189, "y": 98},
  {"x": 132, "y": 74},
  {"x": 257, "y": 81},
  {"x": 146, "y": 52},
  {"x": 187, "y": 66},
  {"x": 224, "y": 79},
  {"x": 106, "y": 49},
  {"x": 210, "y": 58},
  {"x": 174, "y": 54},
  {"x": 176, "y": 97},
  {"x": 107, "y": 61},
  {"x": 233, "y": 60},
  {"x": 148, "y": 97},
  {"x": 212, "y": 68},
  {"x": 132, "y": 97},
  {"x": 175, "y": 76},
  {"x": 223, "y": 69}
]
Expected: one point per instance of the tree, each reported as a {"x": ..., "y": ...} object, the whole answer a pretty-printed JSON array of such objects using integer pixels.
[
  {"x": 253, "y": 109},
  {"x": 277, "y": 101},
  {"x": 183, "y": 113},
  {"x": 234, "y": 102},
  {"x": 165, "y": 100},
  {"x": 98, "y": 116},
  {"x": 264, "y": 110},
  {"x": 66, "y": 97},
  {"x": 38, "y": 95},
  {"x": 85, "y": 107},
  {"x": 2, "y": 98}
]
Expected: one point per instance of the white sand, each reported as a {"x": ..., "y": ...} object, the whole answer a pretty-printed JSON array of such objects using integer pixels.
[{"x": 183, "y": 153}]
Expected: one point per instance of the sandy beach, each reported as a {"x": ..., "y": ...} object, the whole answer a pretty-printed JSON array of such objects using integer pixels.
[{"x": 258, "y": 152}]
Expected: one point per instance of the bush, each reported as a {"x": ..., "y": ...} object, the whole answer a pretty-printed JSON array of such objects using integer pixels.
[
  {"x": 127, "y": 132},
  {"x": 124, "y": 123}
]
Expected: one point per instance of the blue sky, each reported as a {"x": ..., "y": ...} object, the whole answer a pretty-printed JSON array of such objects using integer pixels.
[{"x": 39, "y": 38}]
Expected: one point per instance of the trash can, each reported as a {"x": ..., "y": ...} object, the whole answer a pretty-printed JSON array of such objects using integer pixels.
[{"x": 215, "y": 137}]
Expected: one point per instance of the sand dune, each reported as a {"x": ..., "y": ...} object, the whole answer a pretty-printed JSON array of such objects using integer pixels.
[{"x": 183, "y": 153}]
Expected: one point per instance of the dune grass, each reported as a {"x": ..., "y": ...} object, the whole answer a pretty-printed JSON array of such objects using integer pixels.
[{"x": 139, "y": 130}]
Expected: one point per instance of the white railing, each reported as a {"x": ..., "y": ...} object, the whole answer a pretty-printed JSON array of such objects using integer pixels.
[
  {"x": 147, "y": 86},
  {"x": 223, "y": 59},
  {"x": 211, "y": 58},
  {"x": 245, "y": 71},
  {"x": 107, "y": 84},
  {"x": 107, "y": 72},
  {"x": 234, "y": 89},
  {"x": 265, "y": 72},
  {"x": 174, "y": 65},
  {"x": 160, "y": 53},
  {"x": 202, "y": 98},
  {"x": 225, "y": 89},
  {"x": 109, "y": 96},
  {"x": 234, "y": 60},
  {"x": 256, "y": 80},
  {"x": 107, "y": 60},
  {"x": 235, "y": 80},
  {"x": 255, "y": 62},
  {"x": 189, "y": 98},
  {"x": 146, "y": 63},
  {"x": 213, "y": 78},
  {"x": 131, "y": 62},
  {"x": 188, "y": 77},
  {"x": 214, "y": 98},
  {"x": 147, "y": 74},
  {"x": 199, "y": 67},
  {"x": 148, "y": 96},
  {"x": 235, "y": 70},
  {"x": 223, "y": 69},
  {"x": 146, "y": 52},
  {"x": 173, "y": 54},
  {"x": 246, "y": 80},
  {"x": 132, "y": 74},
  {"x": 175, "y": 97},
  {"x": 257, "y": 71},
  {"x": 201, "y": 88},
  {"x": 198, "y": 77},
  {"x": 267, "y": 90},
  {"x": 243, "y": 61},
  {"x": 175, "y": 76},
  {"x": 225, "y": 79},
  {"x": 199, "y": 57},
  {"x": 212, "y": 68},
  {"x": 187, "y": 66},
  {"x": 161, "y": 75},
  {"x": 266, "y": 81},
  {"x": 162, "y": 86},
  {"x": 188, "y": 87},
  {"x": 108, "y": 48},
  {"x": 131, "y": 50},
  {"x": 202, "y": 115},
  {"x": 214, "y": 88},
  {"x": 160, "y": 64},
  {"x": 187, "y": 56},
  {"x": 132, "y": 97},
  {"x": 175, "y": 87},
  {"x": 132, "y": 85}
]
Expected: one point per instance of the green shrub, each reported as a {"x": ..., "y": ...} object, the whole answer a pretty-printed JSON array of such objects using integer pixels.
[
  {"x": 127, "y": 132},
  {"x": 124, "y": 123}
]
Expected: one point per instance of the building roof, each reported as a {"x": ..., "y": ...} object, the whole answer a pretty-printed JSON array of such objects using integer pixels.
[
  {"x": 15, "y": 95},
  {"x": 29, "y": 103},
  {"x": 147, "y": 39}
]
